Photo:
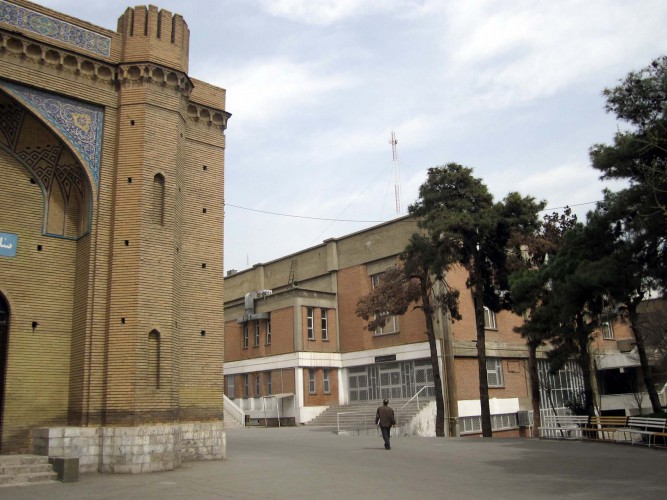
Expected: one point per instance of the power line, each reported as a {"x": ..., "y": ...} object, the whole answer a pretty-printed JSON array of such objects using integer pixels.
[
  {"x": 570, "y": 206},
  {"x": 369, "y": 221},
  {"x": 300, "y": 216}
]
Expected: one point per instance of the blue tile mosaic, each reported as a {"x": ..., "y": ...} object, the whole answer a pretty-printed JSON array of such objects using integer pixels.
[
  {"x": 82, "y": 124},
  {"x": 62, "y": 31}
]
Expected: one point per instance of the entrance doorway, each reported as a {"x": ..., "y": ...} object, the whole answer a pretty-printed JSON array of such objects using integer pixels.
[
  {"x": 4, "y": 345},
  {"x": 390, "y": 381}
]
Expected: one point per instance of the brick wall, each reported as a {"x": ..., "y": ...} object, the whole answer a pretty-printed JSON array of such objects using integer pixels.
[
  {"x": 97, "y": 299},
  {"x": 320, "y": 397}
]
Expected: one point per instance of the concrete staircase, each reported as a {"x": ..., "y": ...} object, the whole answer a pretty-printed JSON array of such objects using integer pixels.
[
  {"x": 231, "y": 421},
  {"x": 362, "y": 415},
  {"x": 23, "y": 470}
]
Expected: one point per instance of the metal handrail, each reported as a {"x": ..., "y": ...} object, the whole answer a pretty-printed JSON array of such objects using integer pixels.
[
  {"x": 416, "y": 396},
  {"x": 365, "y": 414}
]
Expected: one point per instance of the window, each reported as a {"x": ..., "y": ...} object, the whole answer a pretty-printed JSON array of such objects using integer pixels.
[
  {"x": 230, "y": 386},
  {"x": 245, "y": 335},
  {"x": 246, "y": 385},
  {"x": 256, "y": 333},
  {"x": 258, "y": 386},
  {"x": 489, "y": 319},
  {"x": 154, "y": 360},
  {"x": 325, "y": 325},
  {"x": 556, "y": 389},
  {"x": 310, "y": 319},
  {"x": 269, "y": 385},
  {"x": 494, "y": 372},
  {"x": 268, "y": 330},
  {"x": 391, "y": 323},
  {"x": 327, "y": 381},
  {"x": 158, "y": 199},
  {"x": 311, "y": 381},
  {"x": 607, "y": 331}
]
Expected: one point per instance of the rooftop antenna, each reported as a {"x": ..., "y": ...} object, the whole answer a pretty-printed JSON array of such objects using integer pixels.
[{"x": 397, "y": 178}]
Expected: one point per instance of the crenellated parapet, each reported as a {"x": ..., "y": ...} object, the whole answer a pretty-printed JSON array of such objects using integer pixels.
[{"x": 156, "y": 36}]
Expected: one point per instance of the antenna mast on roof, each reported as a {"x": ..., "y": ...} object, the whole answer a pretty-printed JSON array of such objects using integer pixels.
[{"x": 397, "y": 178}]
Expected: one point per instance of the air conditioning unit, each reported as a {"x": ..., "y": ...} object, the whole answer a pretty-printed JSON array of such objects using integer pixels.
[{"x": 524, "y": 418}]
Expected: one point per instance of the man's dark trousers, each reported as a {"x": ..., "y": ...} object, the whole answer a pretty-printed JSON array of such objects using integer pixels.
[{"x": 386, "y": 432}]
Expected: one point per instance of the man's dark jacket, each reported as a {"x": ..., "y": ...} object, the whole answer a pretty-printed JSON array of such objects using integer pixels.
[{"x": 386, "y": 416}]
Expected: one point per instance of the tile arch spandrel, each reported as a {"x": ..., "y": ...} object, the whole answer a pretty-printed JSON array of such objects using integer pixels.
[{"x": 79, "y": 124}]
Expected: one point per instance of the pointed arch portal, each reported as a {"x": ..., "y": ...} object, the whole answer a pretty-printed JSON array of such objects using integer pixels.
[{"x": 53, "y": 162}]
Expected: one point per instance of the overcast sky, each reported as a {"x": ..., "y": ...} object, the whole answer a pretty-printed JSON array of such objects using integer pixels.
[{"x": 509, "y": 88}]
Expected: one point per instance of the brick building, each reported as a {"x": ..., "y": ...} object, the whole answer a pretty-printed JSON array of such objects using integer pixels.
[
  {"x": 111, "y": 228},
  {"x": 294, "y": 345}
]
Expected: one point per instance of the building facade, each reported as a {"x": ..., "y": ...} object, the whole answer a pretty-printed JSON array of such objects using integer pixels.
[
  {"x": 111, "y": 223},
  {"x": 294, "y": 345}
]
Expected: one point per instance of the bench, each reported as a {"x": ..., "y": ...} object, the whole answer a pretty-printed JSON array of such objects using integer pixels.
[
  {"x": 649, "y": 427},
  {"x": 606, "y": 427},
  {"x": 562, "y": 426}
]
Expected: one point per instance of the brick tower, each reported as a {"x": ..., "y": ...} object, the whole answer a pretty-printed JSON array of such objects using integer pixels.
[{"x": 136, "y": 288}]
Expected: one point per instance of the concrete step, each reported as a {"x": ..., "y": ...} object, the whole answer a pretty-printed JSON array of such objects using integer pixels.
[
  {"x": 22, "y": 470},
  {"x": 230, "y": 421},
  {"x": 362, "y": 415}
]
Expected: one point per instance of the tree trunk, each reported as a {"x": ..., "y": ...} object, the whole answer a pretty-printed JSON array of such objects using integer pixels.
[
  {"x": 643, "y": 360},
  {"x": 534, "y": 382},
  {"x": 478, "y": 296},
  {"x": 437, "y": 382},
  {"x": 585, "y": 364}
]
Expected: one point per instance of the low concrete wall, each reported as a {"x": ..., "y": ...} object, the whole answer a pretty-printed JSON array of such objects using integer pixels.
[{"x": 133, "y": 449}]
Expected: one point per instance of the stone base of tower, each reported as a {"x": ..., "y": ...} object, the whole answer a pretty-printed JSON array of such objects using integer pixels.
[{"x": 132, "y": 450}]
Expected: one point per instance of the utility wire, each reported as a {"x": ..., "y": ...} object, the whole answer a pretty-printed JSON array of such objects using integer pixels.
[
  {"x": 299, "y": 216},
  {"x": 370, "y": 221}
]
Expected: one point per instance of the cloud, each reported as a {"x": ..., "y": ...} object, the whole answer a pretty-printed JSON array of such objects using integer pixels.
[
  {"x": 262, "y": 91},
  {"x": 326, "y": 12},
  {"x": 573, "y": 184},
  {"x": 517, "y": 52}
]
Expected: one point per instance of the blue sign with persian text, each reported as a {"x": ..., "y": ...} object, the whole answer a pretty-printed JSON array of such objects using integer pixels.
[{"x": 8, "y": 243}]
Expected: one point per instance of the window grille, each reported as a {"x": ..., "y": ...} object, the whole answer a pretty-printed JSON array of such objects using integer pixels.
[
  {"x": 311, "y": 381},
  {"x": 246, "y": 385},
  {"x": 256, "y": 333},
  {"x": 258, "y": 384},
  {"x": 494, "y": 372},
  {"x": 391, "y": 380},
  {"x": 327, "y": 381},
  {"x": 473, "y": 425},
  {"x": 607, "y": 331},
  {"x": 567, "y": 384},
  {"x": 245, "y": 335}
]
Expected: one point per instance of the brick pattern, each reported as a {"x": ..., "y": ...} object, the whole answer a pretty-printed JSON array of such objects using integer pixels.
[
  {"x": 320, "y": 397},
  {"x": 97, "y": 299}
]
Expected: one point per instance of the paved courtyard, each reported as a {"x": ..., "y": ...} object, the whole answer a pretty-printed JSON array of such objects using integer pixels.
[{"x": 313, "y": 463}]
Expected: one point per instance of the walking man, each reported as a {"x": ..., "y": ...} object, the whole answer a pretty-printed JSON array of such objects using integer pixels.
[{"x": 384, "y": 417}]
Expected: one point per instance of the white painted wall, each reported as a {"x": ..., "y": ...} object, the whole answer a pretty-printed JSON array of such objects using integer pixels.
[{"x": 473, "y": 408}]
